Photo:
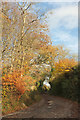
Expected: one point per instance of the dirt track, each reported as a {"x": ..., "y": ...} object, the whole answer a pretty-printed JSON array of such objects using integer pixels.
[{"x": 49, "y": 107}]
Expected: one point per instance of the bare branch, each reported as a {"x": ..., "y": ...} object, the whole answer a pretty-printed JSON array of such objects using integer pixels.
[
  {"x": 26, "y": 9},
  {"x": 31, "y": 23},
  {"x": 5, "y": 16},
  {"x": 28, "y": 6}
]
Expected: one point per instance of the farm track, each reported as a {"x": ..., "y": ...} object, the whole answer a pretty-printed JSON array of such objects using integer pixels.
[{"x": 49, "y": 107}]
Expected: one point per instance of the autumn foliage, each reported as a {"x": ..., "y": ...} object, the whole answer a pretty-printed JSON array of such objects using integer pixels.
[
  {"x": 65, "y": 65},
  {"x": 24, "y": 39},
  {"x": 18, "y": 80}
]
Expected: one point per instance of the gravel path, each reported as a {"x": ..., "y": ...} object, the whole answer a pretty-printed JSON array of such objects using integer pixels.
[{"x": 49, "y": 107}]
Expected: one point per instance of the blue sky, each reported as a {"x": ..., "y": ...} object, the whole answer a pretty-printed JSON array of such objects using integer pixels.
[{"x": 62, "y": 19}]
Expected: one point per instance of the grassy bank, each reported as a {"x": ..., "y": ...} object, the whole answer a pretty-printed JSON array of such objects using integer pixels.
[{"x": 11, "y": 103}]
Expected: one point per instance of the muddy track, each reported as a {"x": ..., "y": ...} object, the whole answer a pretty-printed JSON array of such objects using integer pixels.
[{"x": 49, "y": 107}]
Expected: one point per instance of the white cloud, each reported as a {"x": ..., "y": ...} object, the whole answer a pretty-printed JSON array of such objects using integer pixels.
[
  {"x": 73, "y": 48},
  {"x": 65, "y": 16},
  {"x": 64, "y": 37},
  {"x": 63, "y": 24}
]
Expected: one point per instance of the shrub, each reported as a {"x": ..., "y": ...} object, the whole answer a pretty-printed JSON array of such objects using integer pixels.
[
  {"x": 66, "y": 85},
  {"x": 16, "y": 90}
]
